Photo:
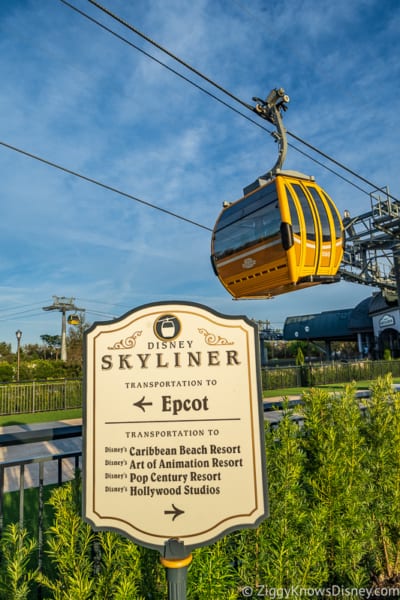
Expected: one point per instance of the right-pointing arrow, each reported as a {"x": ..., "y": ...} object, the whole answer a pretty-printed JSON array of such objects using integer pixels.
[{"x": 176, "y": 512}]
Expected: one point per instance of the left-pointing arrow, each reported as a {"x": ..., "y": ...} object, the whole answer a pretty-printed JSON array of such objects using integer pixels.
[
  {"x": 176, "y": 512},
  {"x": 141, "y": 404}
]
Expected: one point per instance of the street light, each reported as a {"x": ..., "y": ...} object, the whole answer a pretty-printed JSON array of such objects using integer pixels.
[{"x": 18, "y": 333}]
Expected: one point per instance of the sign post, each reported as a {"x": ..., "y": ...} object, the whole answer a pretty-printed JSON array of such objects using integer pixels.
[
  {"x": 174, "y": 452},
  {"x": 176, "y": 569}
]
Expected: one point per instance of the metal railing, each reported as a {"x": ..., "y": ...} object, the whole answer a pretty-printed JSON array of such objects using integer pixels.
[
  {"x": 40, "y": 461},
  {"x": 314, "y": 373},
  {"x": 40, "y": 396},
  {"x": 35, "y": 455},
  {"x": 18, "y": 474}
]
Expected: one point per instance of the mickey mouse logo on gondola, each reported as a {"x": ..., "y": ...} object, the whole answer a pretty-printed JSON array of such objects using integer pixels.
[{"x": 167, "y": 327}]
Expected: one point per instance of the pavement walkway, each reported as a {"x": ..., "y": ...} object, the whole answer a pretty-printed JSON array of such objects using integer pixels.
[{"x": 36, "y": 452}]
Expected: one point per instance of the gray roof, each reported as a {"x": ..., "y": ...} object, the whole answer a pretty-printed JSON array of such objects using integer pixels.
[
  {"x": 380, "y": 304},
  {"x": 343, "y": 324}
]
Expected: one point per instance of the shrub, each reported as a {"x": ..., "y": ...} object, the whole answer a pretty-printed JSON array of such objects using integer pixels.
[
  {"x": 338, "y": 482},
  {"x": 16, "y": 574},
  {"x": 334, "y": 495},
  {"x": 6, "y": 372},
  {"x": 387, "y": 355},
  {"x": 290, "y": 541},
  {"x": 89, "y": 565},
  {"x": 382, "y": 429},
  {"x": 299, "y": 357},
  {"x": 212, "y": 574}
]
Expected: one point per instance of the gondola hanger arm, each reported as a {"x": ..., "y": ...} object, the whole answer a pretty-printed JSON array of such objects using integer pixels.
[{"x": 270, "y": 109}]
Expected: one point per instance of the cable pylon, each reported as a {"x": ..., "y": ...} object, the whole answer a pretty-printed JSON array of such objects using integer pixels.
[{"x": 63, "y": 305}]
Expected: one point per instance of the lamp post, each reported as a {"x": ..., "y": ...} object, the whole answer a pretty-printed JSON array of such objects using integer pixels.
[{"x": 18, "y": 333}]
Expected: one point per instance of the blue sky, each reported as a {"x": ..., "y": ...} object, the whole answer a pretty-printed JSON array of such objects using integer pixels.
[{"x": 75, "y": 95}]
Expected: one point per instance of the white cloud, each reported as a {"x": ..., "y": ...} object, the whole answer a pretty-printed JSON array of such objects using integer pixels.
[{"x": 82, "y": 98}]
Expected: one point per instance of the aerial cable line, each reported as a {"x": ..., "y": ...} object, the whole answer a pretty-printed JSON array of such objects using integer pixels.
[
  {"x": 163, "y": 64},
  {"x": 88, "y": 301},
  {"x": 169, "y": 53},
  {"x": 205, "y": 91},
  {"x": 13, "y": 308},
  {"x": 97, "y": 313},
  {"x": 225, "y": 91},
  {"x": 92, "y": 311},
  {"x": 103, "y": 185},
  {"x": 321, "y": 164},
  {"x": 339, "y": 164},
  {"x": 26, "y": 313}
]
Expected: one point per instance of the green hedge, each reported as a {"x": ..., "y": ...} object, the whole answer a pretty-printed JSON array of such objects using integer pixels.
[{"x": 334, "y": 525}]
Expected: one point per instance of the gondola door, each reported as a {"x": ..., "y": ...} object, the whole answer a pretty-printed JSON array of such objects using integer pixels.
[
  {"x": 328, "y": 239},
  {"x": 309, "y": 230}
]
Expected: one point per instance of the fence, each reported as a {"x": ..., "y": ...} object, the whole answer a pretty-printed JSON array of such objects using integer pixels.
[
  {"x": 34, "y": 396},
  {"x": 40, "y": 396},
  {"x": 327, "y": 373},
  {"x": 40, "y": 468},
  {"x": 21, "y": 464}
]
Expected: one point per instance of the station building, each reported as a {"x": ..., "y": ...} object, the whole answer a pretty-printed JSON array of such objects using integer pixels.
[{"x": 374, "y": 324}]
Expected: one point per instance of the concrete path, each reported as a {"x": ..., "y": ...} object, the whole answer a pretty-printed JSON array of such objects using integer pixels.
[
  {"x": 36, "y": 452},
  {"x": 39, "y": 450}
]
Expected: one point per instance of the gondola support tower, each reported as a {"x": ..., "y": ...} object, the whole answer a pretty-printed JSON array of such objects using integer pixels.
[{"x": 63, "y": 305}]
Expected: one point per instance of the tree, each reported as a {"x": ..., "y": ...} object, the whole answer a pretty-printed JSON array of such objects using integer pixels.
[
  {"x": 299, "y": 357},
  {"x": 5, "y": 352},
  {"x": 387, "y": 355},
  {"x": 75, "y": 341},
  {"x": 6, "y": 372},
  {"x": 33, "y": 351},
  {"x": 292, "y": 347},
  {"x": 53, "y": 342}
]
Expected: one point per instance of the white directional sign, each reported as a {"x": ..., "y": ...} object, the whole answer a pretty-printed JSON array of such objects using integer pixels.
[{"x": 173, "y": 425}]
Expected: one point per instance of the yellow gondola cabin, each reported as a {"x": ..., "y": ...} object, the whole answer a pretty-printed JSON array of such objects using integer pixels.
[
  {"x": 285, "y": 234},
  {"x": 74, "y": 320}
]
